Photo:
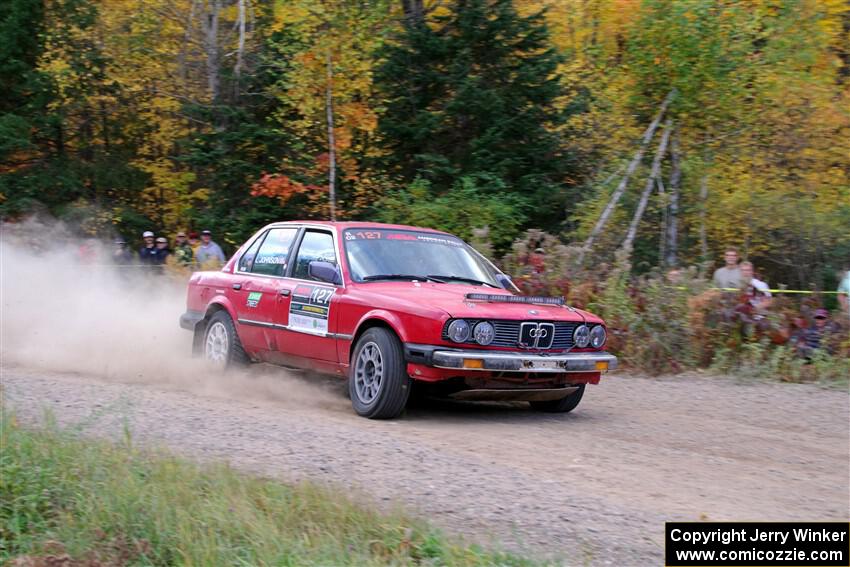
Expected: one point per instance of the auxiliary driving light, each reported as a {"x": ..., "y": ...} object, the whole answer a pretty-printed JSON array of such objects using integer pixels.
[
  {"x": 581, "y": 336},
  {"x": 484, "y": 333},
  {"x": 598, "y": 336},
  {"x": 458, "y": 331}
]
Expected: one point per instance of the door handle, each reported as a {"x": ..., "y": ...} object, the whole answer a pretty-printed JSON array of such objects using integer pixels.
[
  {"x": 285, "y": 292},
  {"x": 237, "y": 286}
]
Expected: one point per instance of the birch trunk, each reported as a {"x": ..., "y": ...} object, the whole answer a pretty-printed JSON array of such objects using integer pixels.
[
  {"x": 621, "y": 187},
  {"x": 331, "y": 141},
  {"x": 240, "y": 50},
  {"x": 703, "y": 197},
  {"x": 187, "y": 37},
  {"x": 662, "y": 239},
  {"x": 672, "y": 258},
  {"x": 210, "y": 21},
  {"x": 647, "y": 190},
  {"x": 413, "y": 10}
]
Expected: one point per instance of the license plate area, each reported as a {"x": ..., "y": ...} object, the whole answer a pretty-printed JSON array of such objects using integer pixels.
[{"x": 543, "y": 364}]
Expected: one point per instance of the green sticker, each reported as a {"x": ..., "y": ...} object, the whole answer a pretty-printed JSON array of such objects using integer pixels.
[{"x": 254, "y": 298}]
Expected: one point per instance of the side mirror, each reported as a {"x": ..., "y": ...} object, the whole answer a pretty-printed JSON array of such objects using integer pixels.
[
  {"x": 505, "y": 281},
  {"x": 324, "y": 271}
]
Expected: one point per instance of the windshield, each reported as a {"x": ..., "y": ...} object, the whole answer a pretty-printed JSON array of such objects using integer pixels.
[{"x": 375, "y": 254}]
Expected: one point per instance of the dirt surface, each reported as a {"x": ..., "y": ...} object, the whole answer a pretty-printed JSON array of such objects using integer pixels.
[{"x": 591, "y": 487}]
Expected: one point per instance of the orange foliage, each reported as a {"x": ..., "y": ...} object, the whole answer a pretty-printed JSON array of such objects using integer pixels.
[{"x": 280, "y": 187}]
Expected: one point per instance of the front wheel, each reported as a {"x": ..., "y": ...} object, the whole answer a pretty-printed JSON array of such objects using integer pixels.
[
  {"x": 379, "y": 385},
  {"x": 564, "y": 405},
  {"x": 222, "y": 347}
]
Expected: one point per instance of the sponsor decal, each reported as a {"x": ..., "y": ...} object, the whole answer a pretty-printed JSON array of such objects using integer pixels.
[
  {"x": 402, "y": 235},
  {"x": 279, "y": 259},
  {"x": 254, "y": 298},
  {"x": 310, "y": 308}
]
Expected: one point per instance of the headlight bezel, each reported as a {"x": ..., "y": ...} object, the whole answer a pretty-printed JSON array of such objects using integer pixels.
[
  {"x": 595, "y": 332},
  {"x": 484, "y": 325},
  {"x": 456, "y": 324},
  {"x": 581, "y": 336}
]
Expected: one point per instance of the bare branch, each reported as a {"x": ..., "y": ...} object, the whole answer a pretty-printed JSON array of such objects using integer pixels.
[
  {"x": 647, "y": 191},
  {"x": 672, "y": 247},
  {"x": 621, "y": 188}
]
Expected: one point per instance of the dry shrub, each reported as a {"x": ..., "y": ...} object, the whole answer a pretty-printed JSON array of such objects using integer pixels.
[{"x": 661, "y": 323}]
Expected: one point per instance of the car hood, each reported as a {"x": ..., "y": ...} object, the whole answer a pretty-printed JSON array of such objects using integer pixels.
[{"x": 451, "y": 298}]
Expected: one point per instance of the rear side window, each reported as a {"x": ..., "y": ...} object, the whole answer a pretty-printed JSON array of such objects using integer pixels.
[
  {"x": 314, "y": 246},
  {"x": 247, "y": 259},
  {"x": 271, "y": 258}
]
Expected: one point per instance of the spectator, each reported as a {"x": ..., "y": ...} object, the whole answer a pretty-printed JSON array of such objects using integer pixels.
[
  {"x": 87, "y": 252},
  {"x": 183, "y": 253},
  {"x": 674, "y": 276},
  {"x": 844, "y": 290},
  {"x": 121, "y": 254},
  {"x": 811, "y": 338},
  {"x": 194, "y": 242},
  {"x": 148, "y": 253},
  {"x": 728, "y": 276},
  {"x": 209, "y": 253},
  {"x": 756, "y": 290},
  {"x": 162, "y": 251}
]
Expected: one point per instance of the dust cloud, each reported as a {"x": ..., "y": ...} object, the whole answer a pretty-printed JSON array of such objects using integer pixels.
[{"x": 67, "y": 306}]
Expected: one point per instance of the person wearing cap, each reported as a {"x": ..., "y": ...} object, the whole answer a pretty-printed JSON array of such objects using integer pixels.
[
  {"x": 183, "y": 254},
  {"x": 162, "y": 251},
  {"x": 148, "y": 253},
  {"x": 209, "y": 253},
  {"x": 811, "y": 339}
]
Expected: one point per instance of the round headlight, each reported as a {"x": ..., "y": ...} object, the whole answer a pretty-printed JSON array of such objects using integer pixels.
[
  {"x": 484, "y": 333},
  {"x": 598, "y": 336},
  {"x": 581, "y": 336},
  {"x": 458, "y": 331}
]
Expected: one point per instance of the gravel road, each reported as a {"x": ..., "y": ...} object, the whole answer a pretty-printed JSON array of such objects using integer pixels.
[{"x": 591, "y": 487}]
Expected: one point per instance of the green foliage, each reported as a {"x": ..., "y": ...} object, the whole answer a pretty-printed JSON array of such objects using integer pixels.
[
  {"x": 473, "y": 93},
  {"x": 762, "y": 361},
  {"x": 113, "y": 504},
  {"x": 112, "y": 105},
  {"x": 474, "y": 201}
]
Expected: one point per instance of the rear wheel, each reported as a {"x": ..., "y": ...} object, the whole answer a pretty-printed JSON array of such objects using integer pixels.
[
  {"x": 563, "y": 405},
  {"x": 222, "y": 347},
  {"x": 379, "y": 385}
]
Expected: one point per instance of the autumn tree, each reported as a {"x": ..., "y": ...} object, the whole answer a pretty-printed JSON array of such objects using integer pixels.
[
  {"x": 471, "y": 91},
  {"x": 325, "y": 54}
]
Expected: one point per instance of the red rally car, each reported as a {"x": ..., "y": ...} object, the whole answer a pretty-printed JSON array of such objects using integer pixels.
[{"x": 387, "y": 305}]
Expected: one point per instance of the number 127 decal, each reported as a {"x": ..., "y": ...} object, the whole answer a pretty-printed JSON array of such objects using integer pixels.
[{"x": 310, "y": 309}]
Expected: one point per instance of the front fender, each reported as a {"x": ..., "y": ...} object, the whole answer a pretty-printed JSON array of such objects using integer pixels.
[
  {"x": 409, "y": 328},
  {"x": 388, "y": 317}
]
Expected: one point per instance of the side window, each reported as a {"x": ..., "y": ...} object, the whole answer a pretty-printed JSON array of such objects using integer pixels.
[
  {"x": 247, "y": 259},
  {"x": 314, "y": 246},
  {"x": 271, "y": 258}
]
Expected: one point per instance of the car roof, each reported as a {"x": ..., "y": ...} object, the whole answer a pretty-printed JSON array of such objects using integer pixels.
[{"x": 342, "y": 225}]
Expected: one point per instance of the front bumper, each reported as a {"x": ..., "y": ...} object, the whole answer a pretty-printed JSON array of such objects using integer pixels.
[{"x": 523, "y": 362}]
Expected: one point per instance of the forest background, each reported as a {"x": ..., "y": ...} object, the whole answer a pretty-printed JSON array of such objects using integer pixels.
[{"x": 628, "y": 136}]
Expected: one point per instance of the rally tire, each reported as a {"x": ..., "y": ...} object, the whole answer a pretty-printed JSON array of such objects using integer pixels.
[
  {"x": 564, "y": 405},
  {"x": 379, "y": 385},
  {"x": 221, "y": 345}
]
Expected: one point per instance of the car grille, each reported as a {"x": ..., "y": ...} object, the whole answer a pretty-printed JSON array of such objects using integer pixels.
[{"x": 507, "y": 334}]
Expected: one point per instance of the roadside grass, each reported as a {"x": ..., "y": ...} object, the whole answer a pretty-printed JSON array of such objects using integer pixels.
[{"x": 101, "y": 503}]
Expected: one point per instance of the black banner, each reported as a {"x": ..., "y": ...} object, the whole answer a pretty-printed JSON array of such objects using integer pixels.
[{"x": 757, "y": 544}]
